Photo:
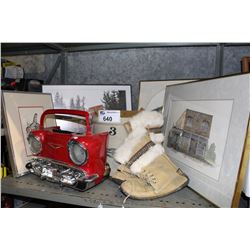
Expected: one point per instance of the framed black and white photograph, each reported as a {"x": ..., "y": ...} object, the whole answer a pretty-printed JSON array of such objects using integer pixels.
[
  {"x": 205, "y": 129},
  {"x": 83, "y": 97},
  {"x": 22, "y": 111},
  {"x": 112, "y": 97},
  {"x": 152, "y": 93}
]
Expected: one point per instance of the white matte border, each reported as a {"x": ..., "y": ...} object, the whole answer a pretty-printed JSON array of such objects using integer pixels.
[{"x": 234, "y": 88}]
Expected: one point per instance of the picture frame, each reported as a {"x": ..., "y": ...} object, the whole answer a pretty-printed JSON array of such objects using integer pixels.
[
  {"x": 115, "y": 97},
  {"x": 84, "y": 97},
  {"x": 21, "y": 114},
  {"x": 151, "y": 94},
  {"x": 245, "y": 63},
  {"x": 205, "y": 128}
]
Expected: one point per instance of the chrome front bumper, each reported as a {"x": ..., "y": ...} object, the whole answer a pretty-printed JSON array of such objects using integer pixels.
[{"x": 62, "y": 174}]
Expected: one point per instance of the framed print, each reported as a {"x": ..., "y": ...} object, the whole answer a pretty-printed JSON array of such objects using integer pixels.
[
  {"x": 112, "y": 97},
  {"x": 152, "y": 93},
  {"x": 22, "y": 111},
  {"x": 205, "y": 129},
  {"x": 245, "y": 62}
]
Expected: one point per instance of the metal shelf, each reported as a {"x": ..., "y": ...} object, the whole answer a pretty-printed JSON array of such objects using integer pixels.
[{"x": 107, "y": 194}]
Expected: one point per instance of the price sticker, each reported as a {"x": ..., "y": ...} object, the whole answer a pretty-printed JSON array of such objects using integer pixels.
[{"x": 109, "y": 116}]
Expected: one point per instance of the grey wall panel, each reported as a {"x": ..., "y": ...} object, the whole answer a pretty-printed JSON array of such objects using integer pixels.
[
  {"x": 232, "y": 58},
  {"x": 49, "y": 63},
  {"x": 37, "y": 66},
  {"x": 129, "y": 66}
]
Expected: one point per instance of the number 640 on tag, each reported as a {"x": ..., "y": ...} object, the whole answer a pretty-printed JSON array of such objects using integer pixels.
[{"x": 109, "y": 116}]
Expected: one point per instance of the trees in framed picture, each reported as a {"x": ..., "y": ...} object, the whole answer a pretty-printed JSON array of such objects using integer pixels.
[{"x": 116, "y": 97}]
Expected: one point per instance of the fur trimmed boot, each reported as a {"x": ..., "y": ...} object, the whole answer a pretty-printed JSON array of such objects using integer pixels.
[
  {"x": 146, "y": 172},
  {"x": 160, "y": 177},
  {"x": 137, "y": 127},
  {"x": 134, "y": 146},
  {"x": 122, "y": 174},
  {"x": 146, "y": 119}
]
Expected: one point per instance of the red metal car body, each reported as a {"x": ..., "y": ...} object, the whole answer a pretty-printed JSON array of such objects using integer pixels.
[{"x": 68, "y": 158}]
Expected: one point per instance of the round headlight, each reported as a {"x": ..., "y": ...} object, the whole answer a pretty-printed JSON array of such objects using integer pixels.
[
  {"x": 77, "y": 152},
  {"x": 35, "y": 144}
]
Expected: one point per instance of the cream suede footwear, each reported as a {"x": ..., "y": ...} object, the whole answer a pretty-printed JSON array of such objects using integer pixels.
[
  {"x": 143, "y": 144},
  {"x": 122, "y": 174},
  {"x": 158, "y": 179},
  {"x": 139, "y": 140}
]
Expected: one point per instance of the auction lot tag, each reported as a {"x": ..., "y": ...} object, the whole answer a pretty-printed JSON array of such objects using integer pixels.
[{"x": 109, "y": 116}]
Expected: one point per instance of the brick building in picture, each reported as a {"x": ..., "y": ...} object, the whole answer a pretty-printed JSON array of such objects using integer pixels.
[{"x": 190, "y": 135}]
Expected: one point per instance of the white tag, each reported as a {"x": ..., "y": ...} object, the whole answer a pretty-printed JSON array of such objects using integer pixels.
[{"x": 109, "y": 116}]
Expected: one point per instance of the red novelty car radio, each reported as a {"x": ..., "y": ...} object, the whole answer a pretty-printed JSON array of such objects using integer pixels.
[{"x": 71, "y": 159}]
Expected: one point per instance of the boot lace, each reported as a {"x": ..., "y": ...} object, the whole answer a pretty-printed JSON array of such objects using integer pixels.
[
  {"x": 148, "y": 177},
  {"x": 124, "y": 201},
  {"x": 140, "y": 152}
]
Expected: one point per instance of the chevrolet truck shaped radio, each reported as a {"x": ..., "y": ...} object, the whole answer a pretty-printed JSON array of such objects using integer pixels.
[{"x": 71, "y": 159}]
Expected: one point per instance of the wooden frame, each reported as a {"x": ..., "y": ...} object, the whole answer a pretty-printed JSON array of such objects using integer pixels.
[
  {"x": 246, "y": 64},
  {"x": 243, "y": 169},
  {"x": 246, "y": 187}
]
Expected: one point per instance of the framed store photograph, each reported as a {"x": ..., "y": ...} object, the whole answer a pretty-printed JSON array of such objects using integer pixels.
[
  {"x": 205, "y": 129},
  {"x": 152, "y": 93},
  {"x": 22, "y": 111}
]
